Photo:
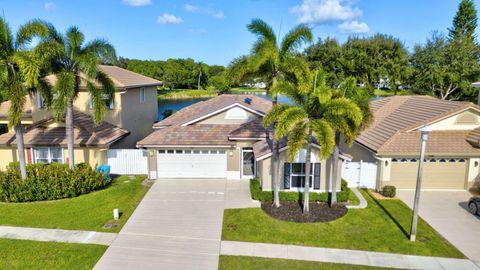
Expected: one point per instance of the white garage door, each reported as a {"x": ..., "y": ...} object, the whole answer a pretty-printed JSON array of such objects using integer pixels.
[{"x": 183, "y": 163}]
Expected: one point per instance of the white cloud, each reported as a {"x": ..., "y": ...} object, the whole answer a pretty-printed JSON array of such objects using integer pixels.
[
  {"x": 50, "y": 6},
  {"x": 169, "y": 19},
  {"x": 353, "y": 27},
  {"x": 137, "y": 3},
  {"x": 325, "y": 11},
  {"x": 198, "y": 30},
  {"x": 204, "y": 10}
]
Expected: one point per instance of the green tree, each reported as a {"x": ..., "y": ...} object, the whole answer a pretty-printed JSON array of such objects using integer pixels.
[
  {"x": 327, "y": 55},
  {"x": 464, "y": 22},
  {"x": 20, "y": 70},
  {"x": 276, "y": 61},
  {"x": 75, "y": 64},
  {"x": 315, "y": 116}
]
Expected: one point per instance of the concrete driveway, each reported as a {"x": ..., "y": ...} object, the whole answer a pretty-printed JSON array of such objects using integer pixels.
[
  {"x": 446, "y": 212},
  {"x": 177, "y": 225}
]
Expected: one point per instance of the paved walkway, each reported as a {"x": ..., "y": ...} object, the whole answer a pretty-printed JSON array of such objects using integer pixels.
[
  {"x": 55, "y": 235},
  {"x": 446, "y": 212},
  {"x": 238, "y": 195},
  {"x": 344, "y": 256},
  {"x": 177, "y": 225},
  {"x": 363, "y": 202}
]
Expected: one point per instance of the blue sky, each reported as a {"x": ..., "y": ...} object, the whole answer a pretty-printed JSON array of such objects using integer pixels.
[{"x": 214, "y": 31}]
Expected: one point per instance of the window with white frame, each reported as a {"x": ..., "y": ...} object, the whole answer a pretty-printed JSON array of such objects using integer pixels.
[
  {"x": 297, "y": 175},
  {"x": 142, "y": 95},
  {"x": 48, "y": 155}
]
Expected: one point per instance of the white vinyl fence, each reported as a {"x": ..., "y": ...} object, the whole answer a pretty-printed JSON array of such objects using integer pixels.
[
  {"x": 360, "y": 174},
  {"x": 128, "y": 161}
]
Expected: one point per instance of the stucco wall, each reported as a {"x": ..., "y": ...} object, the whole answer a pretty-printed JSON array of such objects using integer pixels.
[
  {"x": 357, "y": 152},
  {"x": 219, "y": 119},
  {"x": 8, "y": 155},
  {"x": 451, "y": 123}
]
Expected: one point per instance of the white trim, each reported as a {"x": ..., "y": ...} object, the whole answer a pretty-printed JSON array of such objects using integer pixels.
[
  {"x": 221, "y": 110},
  {"x": 49, "y": 158},
  {"x": 443, "y": 118},
  {"x": 246, "y": 139},
  {"x": 184, "y": 146},
  {"x": 280, "y": 150},
  {"x": 250, "y": 150}
]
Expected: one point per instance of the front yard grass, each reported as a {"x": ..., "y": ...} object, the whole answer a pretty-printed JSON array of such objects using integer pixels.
[
  {"x": 22, "y": 254},
  {"x": 257, "y": 263},
  {"x": 86, "y": 212},
  {"x": 185, "y": 93},
  {"x": 383, "y": 226}
]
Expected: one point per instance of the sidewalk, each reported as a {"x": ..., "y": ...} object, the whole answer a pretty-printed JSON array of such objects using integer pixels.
[
  {"x": 363, "y": 202},
  {"x": 55, "y": 235},
  {"x": 344, "y": 256}
]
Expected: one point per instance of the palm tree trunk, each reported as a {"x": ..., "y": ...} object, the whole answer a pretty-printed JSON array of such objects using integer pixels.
[
  {"x": 335, "y": 158},
  {"x": 308, "y": 165},
  {"x": 69, "y": 131},
  {"x": 275, "y": 163},
  {"x": 21, "y": 150},
  {"x": 199, "y": 76}
]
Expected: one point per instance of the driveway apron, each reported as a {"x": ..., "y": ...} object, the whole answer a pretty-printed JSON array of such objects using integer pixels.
[
  {"x": 446, "y": 212},
  {"x": 177, "y": 225}
]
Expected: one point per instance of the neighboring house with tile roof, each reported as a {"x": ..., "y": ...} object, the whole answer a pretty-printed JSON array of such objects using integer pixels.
[
  {"x": 223, "y": 137},
  {"x": 128, "y": 119},
  {"x": 392, "y": 142}
]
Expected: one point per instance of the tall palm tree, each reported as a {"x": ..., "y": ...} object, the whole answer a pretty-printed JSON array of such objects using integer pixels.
[
  {"x": 360, "y": 96},
  {"x": 315, "y": 115},
  {"x": 76, "y": 63},
  {"x": 21, "y": 68},
  {"x": 276, "y": 61}
]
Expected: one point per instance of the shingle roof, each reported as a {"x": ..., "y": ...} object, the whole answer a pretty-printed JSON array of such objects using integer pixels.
[
  {"x": 204, "y": 108},
  {"x": 397, "y": 114},
  {"x": 121, "y": 78},
  {"x": 27, "y": 108},
  {"x": 194, "y": 135},
  {"x": 86, "y": 133}
]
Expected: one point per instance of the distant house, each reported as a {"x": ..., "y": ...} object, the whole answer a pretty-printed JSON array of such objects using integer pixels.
[
  {"x": 223, "y": 138},
  {"x": 129, "y": 118},
  {"x": 389, "y": 148}
]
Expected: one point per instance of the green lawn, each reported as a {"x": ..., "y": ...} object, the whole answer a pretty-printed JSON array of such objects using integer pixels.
[
  {"x": 246, "y": 89},
  {"x": 382, "y": 227},
  {"x": 185, "y": 93},
  {"x": 256, "y": 263},
  {"x": 21, "y": 254},
  {"x": 86, "y": 212},
  {"x": 387, "y": 93}
]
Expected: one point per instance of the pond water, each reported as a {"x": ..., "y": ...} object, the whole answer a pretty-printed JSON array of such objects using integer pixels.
[{"x": 178, "y": 104}]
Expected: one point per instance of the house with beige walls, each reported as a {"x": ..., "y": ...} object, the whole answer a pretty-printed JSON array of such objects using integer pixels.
[
  {"x": 129, "y": 118},
  {"x": 223, "y": 137},
  {"x": 391, "y": 144}
]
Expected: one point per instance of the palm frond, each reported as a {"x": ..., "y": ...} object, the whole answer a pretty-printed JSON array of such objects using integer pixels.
[
  {"x": 296, "y": 140},
  {"x": 102, "y": 49},
  {"x": 345, "y": 116},
  {"x": 45, "y": 90},
  {"x": 30, "y": 30},
  {"x": 272, "y": 116},
  {"x": 288, "y": 120},
  {"x": 98, "y": 102},
  {"x": 74, "y": 40},
  {"x": 29, "y": 65},
  {"x": 88, "y": 64},
  {"x": 287, "y": 89},
  {"x": 63, "y": 90},
  {"x": 295, "y": 38},
  {"x": 6, "y": 40},
  {"x": 17, "y": 100},
  {"x": 262, "y": 30},
  {"x": 324, "y": 135},
  {"x": 296, "y": 70}
]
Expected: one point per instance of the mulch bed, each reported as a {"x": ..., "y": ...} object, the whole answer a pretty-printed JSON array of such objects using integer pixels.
[{"x": 293, "y": 211}]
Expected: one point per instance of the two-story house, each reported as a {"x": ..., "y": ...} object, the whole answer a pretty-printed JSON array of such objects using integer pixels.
[{"x": 129, "y": 118}]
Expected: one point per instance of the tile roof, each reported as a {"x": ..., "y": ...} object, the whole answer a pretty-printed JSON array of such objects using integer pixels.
[
  {"x": 194, "y": 135},
  {"x": 252, "y": 129},
  {"x": 27, "y": 108},
  {"x": 473, "y": 137},
  {"x": 121, "y": 78},
  {"x": 397, "y": 114},
  {"x": 86, "y": 133},
  {"x": 217, "y": 103}
]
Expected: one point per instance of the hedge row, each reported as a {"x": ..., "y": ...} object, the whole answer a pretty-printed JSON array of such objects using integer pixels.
[
  {"x": 258, "y": 194},
  {"x": 48, "y": 182}
]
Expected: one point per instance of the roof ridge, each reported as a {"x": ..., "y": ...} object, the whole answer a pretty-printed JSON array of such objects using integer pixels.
[
  {"x": 129, "y": 71},
  {"x": 387, "y": 109}
]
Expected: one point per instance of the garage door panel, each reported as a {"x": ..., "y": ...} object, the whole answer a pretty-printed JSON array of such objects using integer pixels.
[
  {"x": 192, "y": 163},
  {"x": 436, "y": 175}
]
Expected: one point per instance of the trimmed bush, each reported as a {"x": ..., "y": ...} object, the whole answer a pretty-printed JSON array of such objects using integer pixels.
[
  {"x": 258, "y": 194},
  {"x": 389, "y": 191},
  {"x": 48, "y": 182}
]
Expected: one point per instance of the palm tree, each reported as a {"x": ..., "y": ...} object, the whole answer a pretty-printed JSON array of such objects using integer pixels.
[
  {"x": 20, "y": 70},
  {"x": 315, "y": 115},
  {"x": 360, "y": 96},
  {"x": 76, "y": 63},
  {"x": 276, "y": 61}
]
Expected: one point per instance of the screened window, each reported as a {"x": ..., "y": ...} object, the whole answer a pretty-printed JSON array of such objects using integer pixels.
[
  {"x": 48, "y": 155},
  {"x": 142, "y": 95},
  {"x": 297, "y": 176}
]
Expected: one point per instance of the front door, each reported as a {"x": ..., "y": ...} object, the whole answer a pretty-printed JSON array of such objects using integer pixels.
[{"x": 247, "y": 163}]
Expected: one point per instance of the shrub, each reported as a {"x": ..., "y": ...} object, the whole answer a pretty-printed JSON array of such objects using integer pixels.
[
  {"x": 389, "y": 191},
  {"x": 48, "y": 182},
  {"x": 257, "y": 193}
]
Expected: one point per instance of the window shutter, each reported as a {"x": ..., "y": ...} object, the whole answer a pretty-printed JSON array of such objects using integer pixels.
[
  {"x": 286, "y": 175},
  {"x": 316, "y": 176}
]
